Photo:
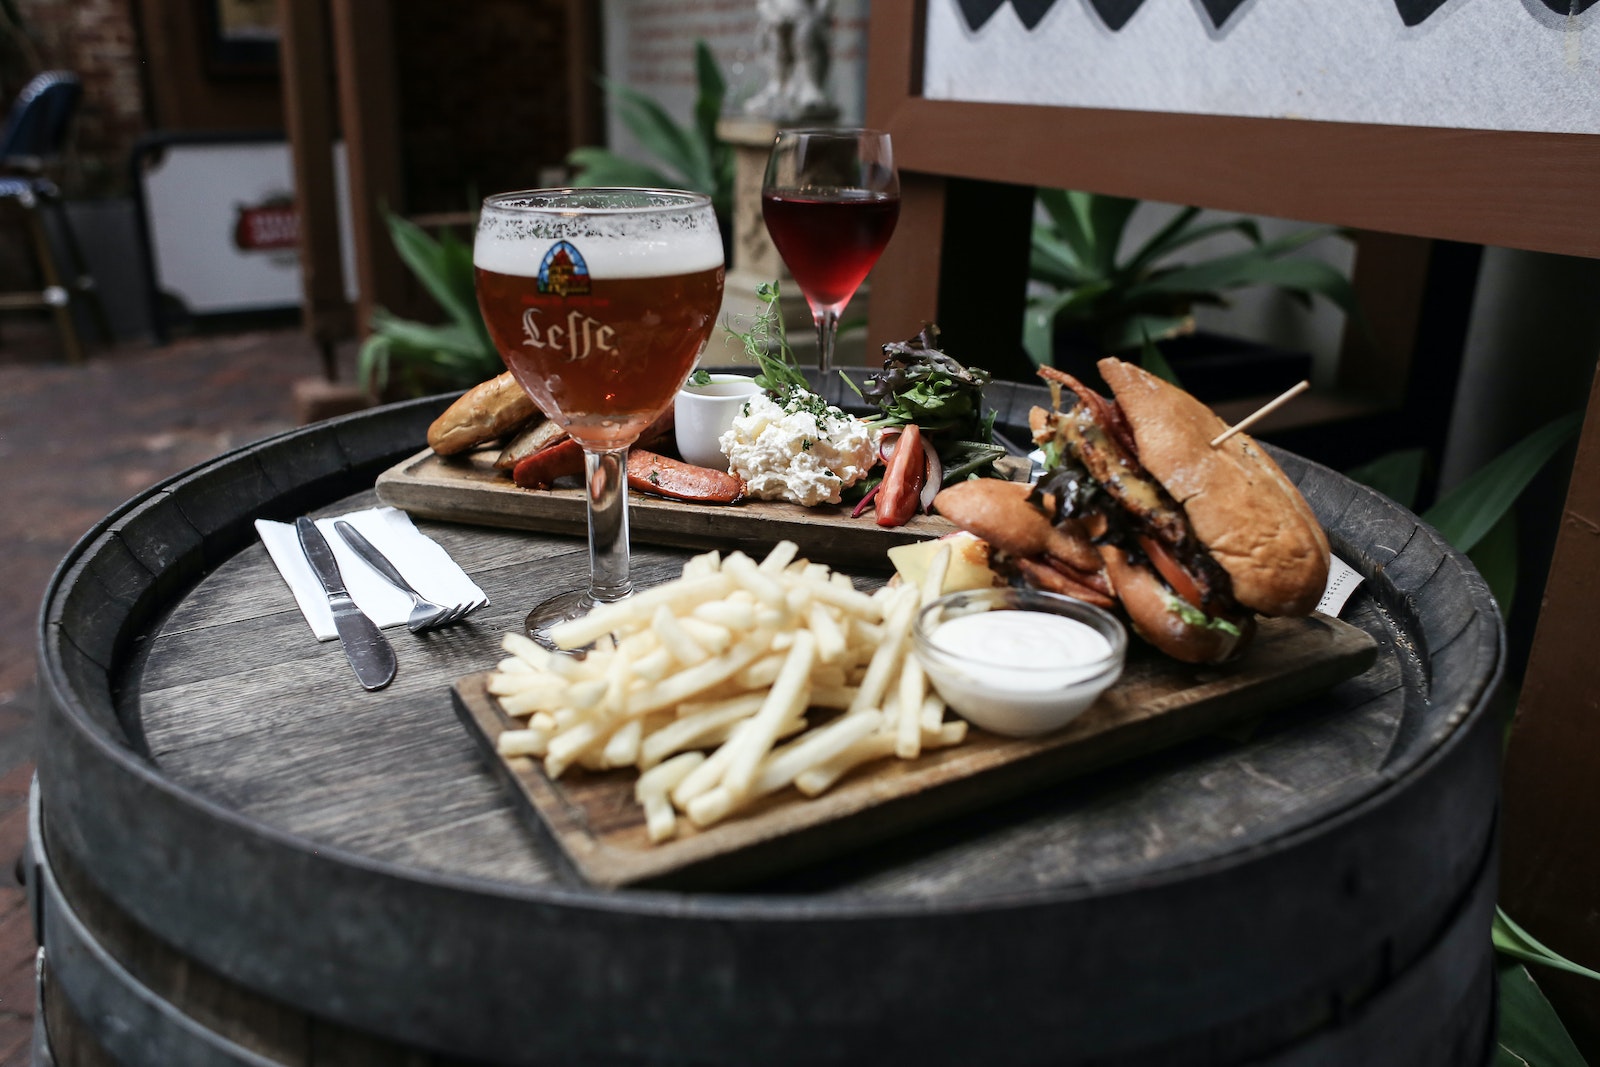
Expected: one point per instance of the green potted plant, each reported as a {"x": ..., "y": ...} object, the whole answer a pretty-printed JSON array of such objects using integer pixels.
[
  {"x": 402, "y": 358},
  {"x": 1090, "y": 298},
  {"x": 692, "y": 157}
]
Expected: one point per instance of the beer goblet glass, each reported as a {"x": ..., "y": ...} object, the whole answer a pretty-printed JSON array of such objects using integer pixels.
[
  {"x": 600, "y": 302},
  {"x": 830, "y": 199}
]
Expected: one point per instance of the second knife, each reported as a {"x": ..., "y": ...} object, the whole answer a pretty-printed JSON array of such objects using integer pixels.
[{"x": 364, "y": 645}]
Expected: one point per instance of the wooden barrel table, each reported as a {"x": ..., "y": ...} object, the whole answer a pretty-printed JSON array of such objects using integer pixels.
[{"x": 242, "y": 858}]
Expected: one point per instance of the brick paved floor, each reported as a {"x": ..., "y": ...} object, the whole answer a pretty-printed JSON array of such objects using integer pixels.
[{"x": 74, "y": 443}]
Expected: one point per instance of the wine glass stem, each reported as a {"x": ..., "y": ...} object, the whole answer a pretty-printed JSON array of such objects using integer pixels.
[
  {"x": 827, "y": 333},
  {"x": 606, "y": 478}
]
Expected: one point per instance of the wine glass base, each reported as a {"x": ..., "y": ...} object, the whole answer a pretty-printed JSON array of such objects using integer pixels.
[{"x": 552, "y": 613}]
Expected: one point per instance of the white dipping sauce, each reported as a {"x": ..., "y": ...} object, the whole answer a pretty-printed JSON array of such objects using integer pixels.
[
  {"x": 1037, "y": 642},
  {"x": 1019, "y": 672}
]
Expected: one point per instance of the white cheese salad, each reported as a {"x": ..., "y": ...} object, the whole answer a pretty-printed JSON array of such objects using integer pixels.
[{"x": 799, "y": 449}]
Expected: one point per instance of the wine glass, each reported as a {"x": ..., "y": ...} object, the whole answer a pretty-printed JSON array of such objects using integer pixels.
[
  {"x": 600, "y": 302},
  {"x": 830, "y": 199}
]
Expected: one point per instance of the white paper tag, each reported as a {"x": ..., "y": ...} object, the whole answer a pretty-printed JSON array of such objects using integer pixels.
[{"x": 1342, "y": 581}]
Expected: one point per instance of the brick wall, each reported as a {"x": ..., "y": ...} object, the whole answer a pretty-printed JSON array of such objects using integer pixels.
[{"x": 96, "y": 40}]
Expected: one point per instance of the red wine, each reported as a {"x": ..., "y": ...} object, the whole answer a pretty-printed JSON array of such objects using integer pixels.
[{"x": 829, "y": 240}]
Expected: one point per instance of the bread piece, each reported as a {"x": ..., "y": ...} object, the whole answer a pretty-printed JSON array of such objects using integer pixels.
[
  {"x": 538, "y": 435},
  {"x": 484, "y": 412},
  {"x": 1242, "y": 507}
]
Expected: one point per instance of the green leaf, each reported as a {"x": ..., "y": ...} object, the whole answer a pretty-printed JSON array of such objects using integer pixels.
[
  {"x": 1465, "y": 514},
  {"x": 1151, "y": 359},
  {"x": 1102, "y": 219},
  {"x": 1513, "y": 940},
  {"x": 1397, "y": 475},
  {"x": 1255, "y": 266},
  {"x": 1531, "y": 1034},
  {"x": 1495, "y": 556},
  {"x": 1068, "y": 227},
  {"x": 440, "y": 270},
  {"x": 1131, "y": 331},
  {"x": 1053, "y": 261},
  {"x": 711, "y": 93},
  {"x": 1039, "y": 336},
  {"x": 601, "y": 166},
  {"x": 663, "y": 136},
  {"x": 1174, "y": 237}
]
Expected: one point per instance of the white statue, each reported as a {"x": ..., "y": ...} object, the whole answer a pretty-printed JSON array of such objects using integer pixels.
[{"x": 795, "y": 39}]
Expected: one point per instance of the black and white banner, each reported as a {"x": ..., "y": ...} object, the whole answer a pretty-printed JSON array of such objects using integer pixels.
[{"x": 1467, "y": 64}]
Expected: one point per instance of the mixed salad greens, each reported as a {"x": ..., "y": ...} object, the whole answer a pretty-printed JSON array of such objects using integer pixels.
[
  {"x": 922, "y": 386},
  {"x": 930, "y": 416}
]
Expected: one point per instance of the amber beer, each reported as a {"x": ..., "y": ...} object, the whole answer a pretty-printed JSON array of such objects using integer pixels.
[{"x": 601, "y": 332}]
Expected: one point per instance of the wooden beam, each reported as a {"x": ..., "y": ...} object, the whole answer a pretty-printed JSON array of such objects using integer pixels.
[
  {"x": 308, "y": 118},
  {"x": 1550, "y": 871},
  {"x": 363, "y": 33}
]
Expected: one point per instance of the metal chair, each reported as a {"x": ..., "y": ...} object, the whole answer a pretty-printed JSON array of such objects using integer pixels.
[{"x": 32, "y": 140}]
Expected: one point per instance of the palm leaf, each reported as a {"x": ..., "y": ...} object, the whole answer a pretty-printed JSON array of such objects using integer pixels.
[
  {"x": 1151, "y": 359},
  {"x": 1513, "y": 940},
  {"x": 441, "y": 270},
  {"x": 1531, "y": 1033},
  {"x": 1468, "y": 512},
  {"x": 1397, "y": 475},
  {"x": 1131, "y": 331},
  {"x": 1054, "y": 261},
  {"x": 712, "y": 90},
  {"x": 1102, "y": 219},
  {"x": 1067, "y": 225},
  {"x": 1177, "y": 235},
  {"x": 1255, "y": 266},
  {"x": 661, "y": 134},
  {"x": 1495, "y": 557},
  {"x": 601, "y": 166}
]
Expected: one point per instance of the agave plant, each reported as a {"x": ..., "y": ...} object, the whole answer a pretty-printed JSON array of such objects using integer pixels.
[
  {"x": 405, "y": 358},
  {"x": 694, "y": 156},
  {"x": 1083, "y": 283},
  {"x": 1477, "y": 518}
]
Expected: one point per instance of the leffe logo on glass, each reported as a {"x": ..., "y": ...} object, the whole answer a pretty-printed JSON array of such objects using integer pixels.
[{"x": 564, "y": 273}]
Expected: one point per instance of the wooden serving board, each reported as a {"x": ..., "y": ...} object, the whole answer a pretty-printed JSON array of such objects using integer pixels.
[
  {"x": 1157, "y": 703},
  {"x": 468, "y": 489}
]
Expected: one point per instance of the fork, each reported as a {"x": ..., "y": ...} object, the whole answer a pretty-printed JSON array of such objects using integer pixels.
[{"x": 425, "y": 614}]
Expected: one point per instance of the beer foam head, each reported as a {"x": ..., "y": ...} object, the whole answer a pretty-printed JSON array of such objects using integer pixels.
[{"x": 651, "y": 234}]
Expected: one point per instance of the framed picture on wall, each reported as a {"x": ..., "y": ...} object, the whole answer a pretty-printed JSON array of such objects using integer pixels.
[{"x": 240, "y": 38}]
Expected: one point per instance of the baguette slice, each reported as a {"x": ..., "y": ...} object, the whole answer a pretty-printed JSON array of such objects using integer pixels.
[
  {"x": 484, "y": 412},
  {"x": 536, "y": 436}
]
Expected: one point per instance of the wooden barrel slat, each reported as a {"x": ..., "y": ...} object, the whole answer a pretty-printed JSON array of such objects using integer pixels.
[{"x": 1248, "y": 897}]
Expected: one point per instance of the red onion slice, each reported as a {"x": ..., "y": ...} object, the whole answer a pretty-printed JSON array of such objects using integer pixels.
[
  {"x": 886, "y": 445},
  {"x": 933, "y": 476},
  {"x": 866, "y": 500}
]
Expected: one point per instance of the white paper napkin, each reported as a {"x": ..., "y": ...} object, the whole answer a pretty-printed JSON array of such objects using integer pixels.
[{"x": 426, "y": 565}]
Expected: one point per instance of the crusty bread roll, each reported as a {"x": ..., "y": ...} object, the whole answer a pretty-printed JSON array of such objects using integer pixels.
[
  {"x": 1144, "y": 599},
  {"x": 1242, "y": 507},
  {"x": 484, "y": 412}
]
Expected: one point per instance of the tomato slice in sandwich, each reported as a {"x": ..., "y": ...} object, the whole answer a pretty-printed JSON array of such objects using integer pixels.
[{"x": 1171, "y": 570}]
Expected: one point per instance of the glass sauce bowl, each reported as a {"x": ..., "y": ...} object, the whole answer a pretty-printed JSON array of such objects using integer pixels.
[{"x": 1018, "y": 662}]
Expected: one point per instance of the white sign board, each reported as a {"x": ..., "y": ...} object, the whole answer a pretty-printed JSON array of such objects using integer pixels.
[
  {"x": 649, "y": 46},
  {"x": 1530, "y": 65},
  {"x": 222, "y": 229}
]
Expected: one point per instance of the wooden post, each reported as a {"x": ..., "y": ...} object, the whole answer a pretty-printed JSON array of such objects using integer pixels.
[
  {"x": 363, "y": 33},
  {"x": 586, "y": 117},
  {"x": 308, "y": 117}
]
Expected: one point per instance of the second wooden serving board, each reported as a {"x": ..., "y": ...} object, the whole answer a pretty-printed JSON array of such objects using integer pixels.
[
  {"x": 468, "y": 489},
  {"x": 1157, "y": 703}
]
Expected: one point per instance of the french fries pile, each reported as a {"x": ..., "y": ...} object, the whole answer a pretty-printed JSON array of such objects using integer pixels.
[{"x": 696, "y": 683}]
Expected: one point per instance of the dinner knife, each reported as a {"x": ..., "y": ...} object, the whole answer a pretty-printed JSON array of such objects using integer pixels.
[{"x": 364, "y": 644}]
